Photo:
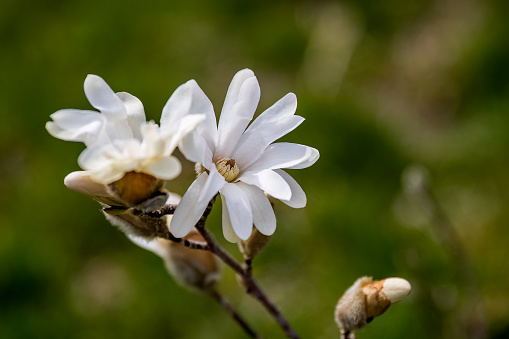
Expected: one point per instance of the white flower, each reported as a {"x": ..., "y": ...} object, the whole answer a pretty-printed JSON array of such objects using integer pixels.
[
  {"x": 118, "y": 139},
  {"x": 241, "y": 164}
]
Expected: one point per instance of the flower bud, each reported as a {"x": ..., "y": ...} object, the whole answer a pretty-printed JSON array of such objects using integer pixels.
[
  {"x": 254, "y": 244},
  {"x": 194, "y": 269},
  {"x": 197, "y": 270},
  {"x": 366, "y": 299},
  {"x": 256, "y": 241}
]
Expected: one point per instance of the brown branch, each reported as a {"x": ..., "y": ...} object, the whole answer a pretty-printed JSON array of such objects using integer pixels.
[
  {"x": 252, "y": 287},
  {"x": 166, "y": 209},
  {"x": 237, "y": 317},
  {"x": 196, "y": 245}
]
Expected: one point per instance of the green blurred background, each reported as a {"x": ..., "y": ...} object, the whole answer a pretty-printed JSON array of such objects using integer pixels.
[{"x": 383, "y": 85}]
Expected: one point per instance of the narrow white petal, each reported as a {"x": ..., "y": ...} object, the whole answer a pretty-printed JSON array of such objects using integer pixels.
[
  {"x": 102, "y": 97},
  {"x": 215, "y": 182},
  {"x": 234, "y": 120},
  {"x": 81, "y": 182},
  {"x": 182, "y": 128},
  {"x": 119, "y": 129},
  {"x": 195, "y": 149},
  {"x": 135, "y": 112},
  {"x": 264, "y": 218},
  {"x": 76, "y": 125},
  {"x": 166, "y": 168},
  {"x": 234, "y": 89},
  {"x": 239, "y": 209},
  {"x": 313, "y": 157},
  {"x": 250, "y": 148},
  {"x": 101, "y": 155},
  {"x": 228, "y": 232},
  {"x": 107, "y": 175},
  {"x": 282, "y": 155},
  {"x": 189, "y": 211},
  {"x": 190, "y": 99},
  {"x": 282, "y": 109},
  {"x": 298, "y": 199},
  {"x": 269, "y": 182}
]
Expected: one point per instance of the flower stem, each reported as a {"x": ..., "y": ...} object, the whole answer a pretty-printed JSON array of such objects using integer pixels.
[
  {"x": 244, "y": 271},
  {"x": 229, "y": 309},
  {"x": 252, "y": 287}
]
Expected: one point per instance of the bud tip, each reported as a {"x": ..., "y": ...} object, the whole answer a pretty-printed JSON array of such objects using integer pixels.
[{"x": 396, "y": 289}]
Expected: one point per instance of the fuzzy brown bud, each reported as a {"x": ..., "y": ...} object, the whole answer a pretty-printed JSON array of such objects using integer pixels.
[
  {"x": 367, "y": 299},
  {"x": 254, "y": 244},
  {"x": 195, "y": 269}
]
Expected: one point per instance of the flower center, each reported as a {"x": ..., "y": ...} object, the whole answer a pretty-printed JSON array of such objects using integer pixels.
[{"x": 227, "y": 168}]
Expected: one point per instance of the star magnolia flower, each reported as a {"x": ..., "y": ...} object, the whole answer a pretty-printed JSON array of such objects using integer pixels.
[
  {"x": 118, "y": 139},
  {"x": 241, "y": 164}
]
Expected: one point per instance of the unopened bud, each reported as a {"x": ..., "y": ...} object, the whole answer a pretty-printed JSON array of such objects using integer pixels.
[
  {"x": 256, "y": 241},
  {"x": 254, "y": 244},
  {"x": 366, "y": 299},
  {"x": 194, "y": 269},
  {"x": 197, "y": 270}
]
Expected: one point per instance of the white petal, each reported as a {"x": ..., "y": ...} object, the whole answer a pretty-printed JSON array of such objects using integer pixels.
[
  {"x": 189, "y": 211},
  {"x": 269, "y": 182},
  {"x": 298, "y": 199},
  {"x": 190, "y": 99},
  {"x": 195, "y": 149},
  {"x": 235, "y": 119},
  {"x": 102, "y": 97},
  {"x": 313, "y": 157},
  {"x": 135, "y": 112},
  {"x": 80, "y": 182},
  {"x": 107, "y": 175},
  {"x": 282, "y": 109},
  {"x": 181, "y": 129},
  {"x": 264, "y": 218},
  {"x": 239, "y": 209},
  {"x": 233, "y": 91},
  {"x": 282, "y": 155},
  {"x": 215, "y": 182},
  {"x": 250, "y": 149},
  {"x": 119, "y": 129},
  {"x": 76, "y": 125},
  {"x": 166, "y": 168},
  {"x": 97, "y": 156},
  {"x": 152, "y": 144},
  {"x": 228, "y": 232}
]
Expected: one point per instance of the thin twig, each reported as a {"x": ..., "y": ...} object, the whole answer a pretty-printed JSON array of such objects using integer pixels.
[
  {"x": 166, "y": 209},
  {"x": 195, "y": 245},
  {"x": 247, "y": 266},
  {"x": 252, "y": 287},
  {"x": 237, "y": 317}
]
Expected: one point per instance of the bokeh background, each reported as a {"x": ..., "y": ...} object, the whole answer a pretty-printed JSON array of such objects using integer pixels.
[{"x": 407, "y": 101}]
